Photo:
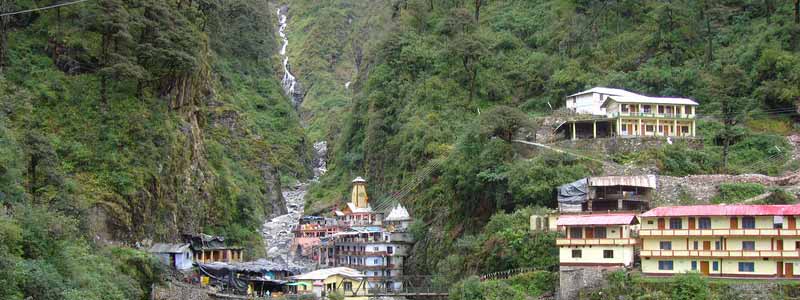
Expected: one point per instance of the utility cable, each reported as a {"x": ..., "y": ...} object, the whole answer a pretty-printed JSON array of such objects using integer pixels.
[{"x": 41, "y": 8}]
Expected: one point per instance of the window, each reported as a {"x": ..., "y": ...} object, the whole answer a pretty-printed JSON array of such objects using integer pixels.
[
  {"x": 777, "y": 222},
  {"x": 694, "y": 265},
  {"x": 684, "y": 129},
  {"x": 660, "y": 109},
  {"x": 665, "y": 245},
  {"x": 749, "y": 245},
  {"x": 715, "y": 266},
  {"x": 649, "y": 128},
  {"x": 747, "y": 267},
  {"x": 599, "y": 232},
  {"x": 689, "y": 110},
  {"x": 348, "y": 286},
  {"x": 576, "y": 253},
  {"x": 624, "y": 107},
  {"x": 376, "y": 249},
  {"x": 576, "y": 232},
  {"x": 376, "y": 261},
  {"x": 660, "y": 128},
  {"x": 665, "y": 265},
  {"x": 717, "y": 245},
  {"x": 646, "y": 108},
  {"x": 389, "y": 249},
  {"x": 748, "y": 222},
  {"x": 650, "y": 222},
  {"x": 704, "y": 223},
  {"x": 695, "y": 245},
  {"x": 608, "y": 253},
  {"x": 675, "y": 223}
]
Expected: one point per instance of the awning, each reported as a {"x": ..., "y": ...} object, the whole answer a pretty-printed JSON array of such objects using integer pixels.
[
  {"x": 299, "y": 283},
  {"x": 646, "y": 181},
  {"x": 596, "y": 219}
]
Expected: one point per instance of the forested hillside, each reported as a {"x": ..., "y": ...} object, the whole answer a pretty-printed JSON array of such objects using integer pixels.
[
  {"x": 451, "y": 83},
  {"x": 131, "y": 121}
]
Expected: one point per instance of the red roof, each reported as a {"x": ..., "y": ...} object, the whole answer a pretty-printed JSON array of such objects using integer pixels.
[
  {"x": 724, "y": 210},
  {"x": 596, "y": 219}
]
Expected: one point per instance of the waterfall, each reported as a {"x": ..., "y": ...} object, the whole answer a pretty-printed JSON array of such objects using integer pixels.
[
  {"x": 277, "y": 232},
  {"x": 289, "y": 82}
]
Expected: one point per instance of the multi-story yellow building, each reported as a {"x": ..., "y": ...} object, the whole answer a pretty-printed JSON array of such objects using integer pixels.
[
  {"x": 604, "y": 112},
  {"x": 596, "y": 240},
  {"x": 721, "y": 240},
  {"x": 651, "y": 116}
]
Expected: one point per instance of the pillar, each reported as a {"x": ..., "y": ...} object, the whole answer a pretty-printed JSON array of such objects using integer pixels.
[
  {"x": 619, "y": 204},
  {"x": 619, "y": 126},
  {"x": 639, "y": 128},
  {"x": 589, "y": 205},
  {"x": 594, "y": 129},
  {"x": 655, "y": 132},
  {"x": 573, "y": 131},
  {"x": 675, "y": 126}
]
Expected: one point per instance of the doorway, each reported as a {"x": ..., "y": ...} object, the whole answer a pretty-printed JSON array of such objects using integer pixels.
[
  {"x": 706, "y": 245},
  {"x": 704, "y": 267}
]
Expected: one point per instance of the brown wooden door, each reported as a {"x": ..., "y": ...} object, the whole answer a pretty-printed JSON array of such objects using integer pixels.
[
  {"x": 780, "y": 268},
  {"x": 789, "y": 270},
  {"x": 704, "y": 267},
  {"x": 706, "y": 245},
  {"x": 630, "y": 129},
  {"x": 691, "y": 223},
  {"x": 734, "y": 223},
  {"x": 779, "y": 245},
  {"x": 589, "y": 233},
  {"x": 792, "y": 223},
  {"x": 661, "y": 224}
]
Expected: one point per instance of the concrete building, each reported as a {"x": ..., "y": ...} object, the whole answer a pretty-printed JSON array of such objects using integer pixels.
[
  {"x": 208, "y": 249},
  {"x": 607, "y": 193},
  {"x": 750, "y": 241},
  {"x": 605, "y": 112},
  {"x": 651, "y": 116},
  {"x": 178, "y": 256},
  {"x": 589, "y": 101},
  {"x": 596, "y": 240},
  {"x": 345, "y": 281},
  {"x": 366, "y": 243}
]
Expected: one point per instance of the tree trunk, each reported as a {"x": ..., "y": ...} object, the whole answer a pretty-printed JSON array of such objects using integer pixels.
[
  {"x": 32, "y": 173},
  {"x": 797, "y": 11},
  {"x": 478, "y": 10},
  {"x": 709, "y": 36}
]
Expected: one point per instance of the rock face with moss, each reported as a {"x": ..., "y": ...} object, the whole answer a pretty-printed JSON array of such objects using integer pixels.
[{"x": 132, "y": 121}]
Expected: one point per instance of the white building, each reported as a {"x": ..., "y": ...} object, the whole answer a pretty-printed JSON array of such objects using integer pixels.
[
  {"x": 178, "y": 256},
  {"x": 589, "y": 101}
]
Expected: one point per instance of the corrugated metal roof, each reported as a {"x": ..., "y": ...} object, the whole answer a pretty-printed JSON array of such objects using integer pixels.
[
  {"x": 648, "y": 181},
  {"x": 325, "y": 273},
  {"x": 596, "y": 219},
  {"x": 605, "y": 90},
  {"x": 646, "y": 99},
  {"x": 168, "y": 248},
  {"x": 724, "y": 210}
]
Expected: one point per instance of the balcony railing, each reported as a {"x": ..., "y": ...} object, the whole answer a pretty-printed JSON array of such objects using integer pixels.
[
  {"x": 721, "y": 253},
  {"x": 652, "y": 115},
  {"x": 595, "y": 242},
  {"x": 719, "y": 232}
]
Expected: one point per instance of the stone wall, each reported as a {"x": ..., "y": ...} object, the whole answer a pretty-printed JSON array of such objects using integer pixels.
[
  {"x": 574, "y": 279},
  {"x": 180, "y": 291},
  {"x": 703, "y": 187}
]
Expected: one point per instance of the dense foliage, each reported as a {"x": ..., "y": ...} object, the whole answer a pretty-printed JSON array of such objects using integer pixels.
[
  {"x": 135, "y": 120},
  {"x": 448, "y": 86}
]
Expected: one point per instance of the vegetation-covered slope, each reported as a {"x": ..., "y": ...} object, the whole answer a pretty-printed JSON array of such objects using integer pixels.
[
  {"x": 450, "y": 83},
  {"x": 136, "y": 120}
]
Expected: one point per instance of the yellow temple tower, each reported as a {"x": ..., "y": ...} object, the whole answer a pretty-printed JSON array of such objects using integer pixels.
[{"x": 359, "y": 194}]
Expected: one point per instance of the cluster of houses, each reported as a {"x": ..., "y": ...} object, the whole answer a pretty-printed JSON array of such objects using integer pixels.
[
  {"x": 373, "y": 243},
  {"x": 751, "y": 241},
  {"x": 357, "y": 250}
]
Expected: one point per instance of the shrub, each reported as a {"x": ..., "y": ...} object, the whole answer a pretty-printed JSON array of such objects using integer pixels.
[
  {"x": 736, "y": 192},
  {"x": 690, "y": 286}
]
